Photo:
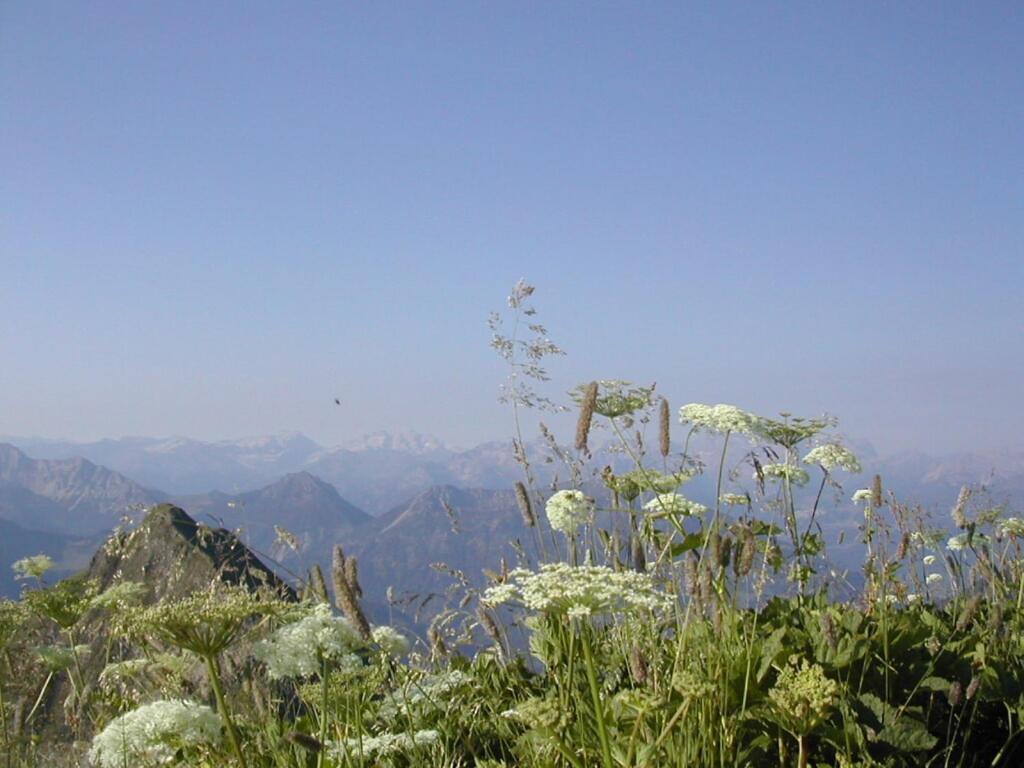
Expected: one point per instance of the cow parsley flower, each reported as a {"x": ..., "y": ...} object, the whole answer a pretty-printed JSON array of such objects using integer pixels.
[
  {"x": 802, "y": 696},
  {"x": 735, "y": 499},
  {"x": 152, "y": 734},
  {"x": 298, "y": 649},
  {"x": 568, "y": 510},
  {"x": 383, "y": 745},
  {"x": 956, "y": 543},
  {"x": 674, "y": 504},
  {"x": 558, "y": 588},
  {"x": 796, "y": 475},
  {"x": 933, "y": 578},
  {"x": 720, "y": 418},
  {"x": 391, "y": 641},
  {"x": 1012, "y": 526},
  {"x": 864, "y": 494},
  {"x": 34, "y": 567},
  {"x": 928, "y": 559},
  {"x": 831, "y": 456}
]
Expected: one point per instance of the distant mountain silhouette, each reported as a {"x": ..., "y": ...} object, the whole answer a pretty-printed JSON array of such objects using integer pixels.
[{"x": 68, "y": 496}]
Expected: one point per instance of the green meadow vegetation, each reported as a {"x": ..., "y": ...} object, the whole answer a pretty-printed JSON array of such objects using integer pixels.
[{"x": 640, "y": 627}]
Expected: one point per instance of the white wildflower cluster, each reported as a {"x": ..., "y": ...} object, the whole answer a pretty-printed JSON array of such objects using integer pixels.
[
  {"x": 559, "y": 588},
  {"x": 913, "y": 598},
  {"x": 568, "y": 510},
  {"x": 928, "y": 559},
  {"x": 734, "y": 499},
  {"x": 153, "y": 733},
  {"x": 382, "y": 746},
  {"x": 933, "y": 578},
  {"x": 297, "y": 650},
  {"x": 796, "y": 475},
  {"x": 430, "y": 691},
  {"x": 830, "y": 456},
  {"x": 390, "y": 641},
  {"x": 863, "y": 495},
  {"x": 1012, "y": 526},
  {"x": 674, "y": 504},
  {"x": 721, "y": 418},
  {"x": 963, "y": 540},
  {"x": 34, "y": 567},
  {"x": 120, "y": 595}
]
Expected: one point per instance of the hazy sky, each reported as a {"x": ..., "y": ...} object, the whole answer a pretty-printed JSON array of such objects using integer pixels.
[{"x": 216, "y": 217}]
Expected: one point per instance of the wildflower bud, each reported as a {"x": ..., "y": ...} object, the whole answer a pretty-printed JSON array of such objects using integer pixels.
[
  {"x": 663, "y": 432},
  {"x": 958, "y": 515},
  {"x": 525, "y": 508},
  {"x": 317, "y": 584},
  {"x": 352, "y": 575},
  {"x": 968, "y": 613},
  {"x": 744, "y": 562},
  {"x": 305, "y": 741},
  {"x": 638, "y": 665},
  {"x": 901, "y": 550},
  {"x": 586, "y": 417},
  {"x": 828, "y": 631},
  {"x": 707, "y": 589},
  {"x": 489, "y": 624},
  {"x": 956, "y": 694},
  {"x": 972, "y": 687},
  {"x": 345, "y": 597},
  {"x": 715, "y": 545},
  {"x": 639, "y": 557},
  {"x": 693, "y": 581},
  {"x": 995, "y": 619},
  {"x": 876, "y": 492},
  {"x": 438, "y": 649},
  {"x": 725, "y": 552}
]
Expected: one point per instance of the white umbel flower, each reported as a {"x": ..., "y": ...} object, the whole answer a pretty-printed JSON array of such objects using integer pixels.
[
  {"x": 153, "y": 733},
  {"x": 559, "y": 588},
  {"x": 933, "y": 578},
  {"x": 568, "y": 510},
  {"x": 296, "y": 650},
  {"x": 391, "y": 641},
  {"x": 674, "y": 504},
  {"x": 382, "y": 745},
  {"x": 831, "y": 456},
  {"x": 796, "y": 475},
  {"x": 720, "y": 418}
]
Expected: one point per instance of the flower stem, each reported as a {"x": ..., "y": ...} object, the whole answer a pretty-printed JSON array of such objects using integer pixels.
[
  {"x": 222, "y": 707},
  {"x": 323, "y": 712},
  {"x": 595, "y": 693}
]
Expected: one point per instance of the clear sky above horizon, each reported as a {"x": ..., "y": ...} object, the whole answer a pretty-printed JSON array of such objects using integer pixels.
[{"x": 215, "y": 218}]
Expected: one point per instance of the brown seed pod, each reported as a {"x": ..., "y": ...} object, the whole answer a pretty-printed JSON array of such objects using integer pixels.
[
  {"x": 525, "y": 508},
  {"x": 664, "y": 426},
  {"x": 586, "y": 417}
]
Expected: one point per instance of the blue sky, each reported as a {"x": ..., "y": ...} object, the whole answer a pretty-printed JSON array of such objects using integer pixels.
[{"x": 215, "y": 218}]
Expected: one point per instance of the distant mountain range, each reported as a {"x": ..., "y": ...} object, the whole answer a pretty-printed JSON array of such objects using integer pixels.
[{"x": 399, "y": 503}]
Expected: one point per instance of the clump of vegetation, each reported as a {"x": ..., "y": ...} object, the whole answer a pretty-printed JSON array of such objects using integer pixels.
[{"x": 642, "y": 627}]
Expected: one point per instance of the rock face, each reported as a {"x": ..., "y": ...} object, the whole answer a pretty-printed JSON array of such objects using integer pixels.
[{"x": 174, "y": 555}]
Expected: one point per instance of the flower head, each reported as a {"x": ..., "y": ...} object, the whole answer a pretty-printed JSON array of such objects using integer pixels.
[
  {"x": 831, "y": 456},
  {"x": 558, "y": 588},
  {"x": 34, "y": 567},
  {"x": 391, "y": 641},
  {"x": 721, "y": 418},
  {"x": 864, "y": 494},
  {"x": 298, "y": 649},
  {"x": 802, "y": 696},
  {"x": 568, "y": 510},
  {"x": 795, "y": 474},
  {"x": 153, "y": 734},
  {"x": 673, "y": 504}
]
